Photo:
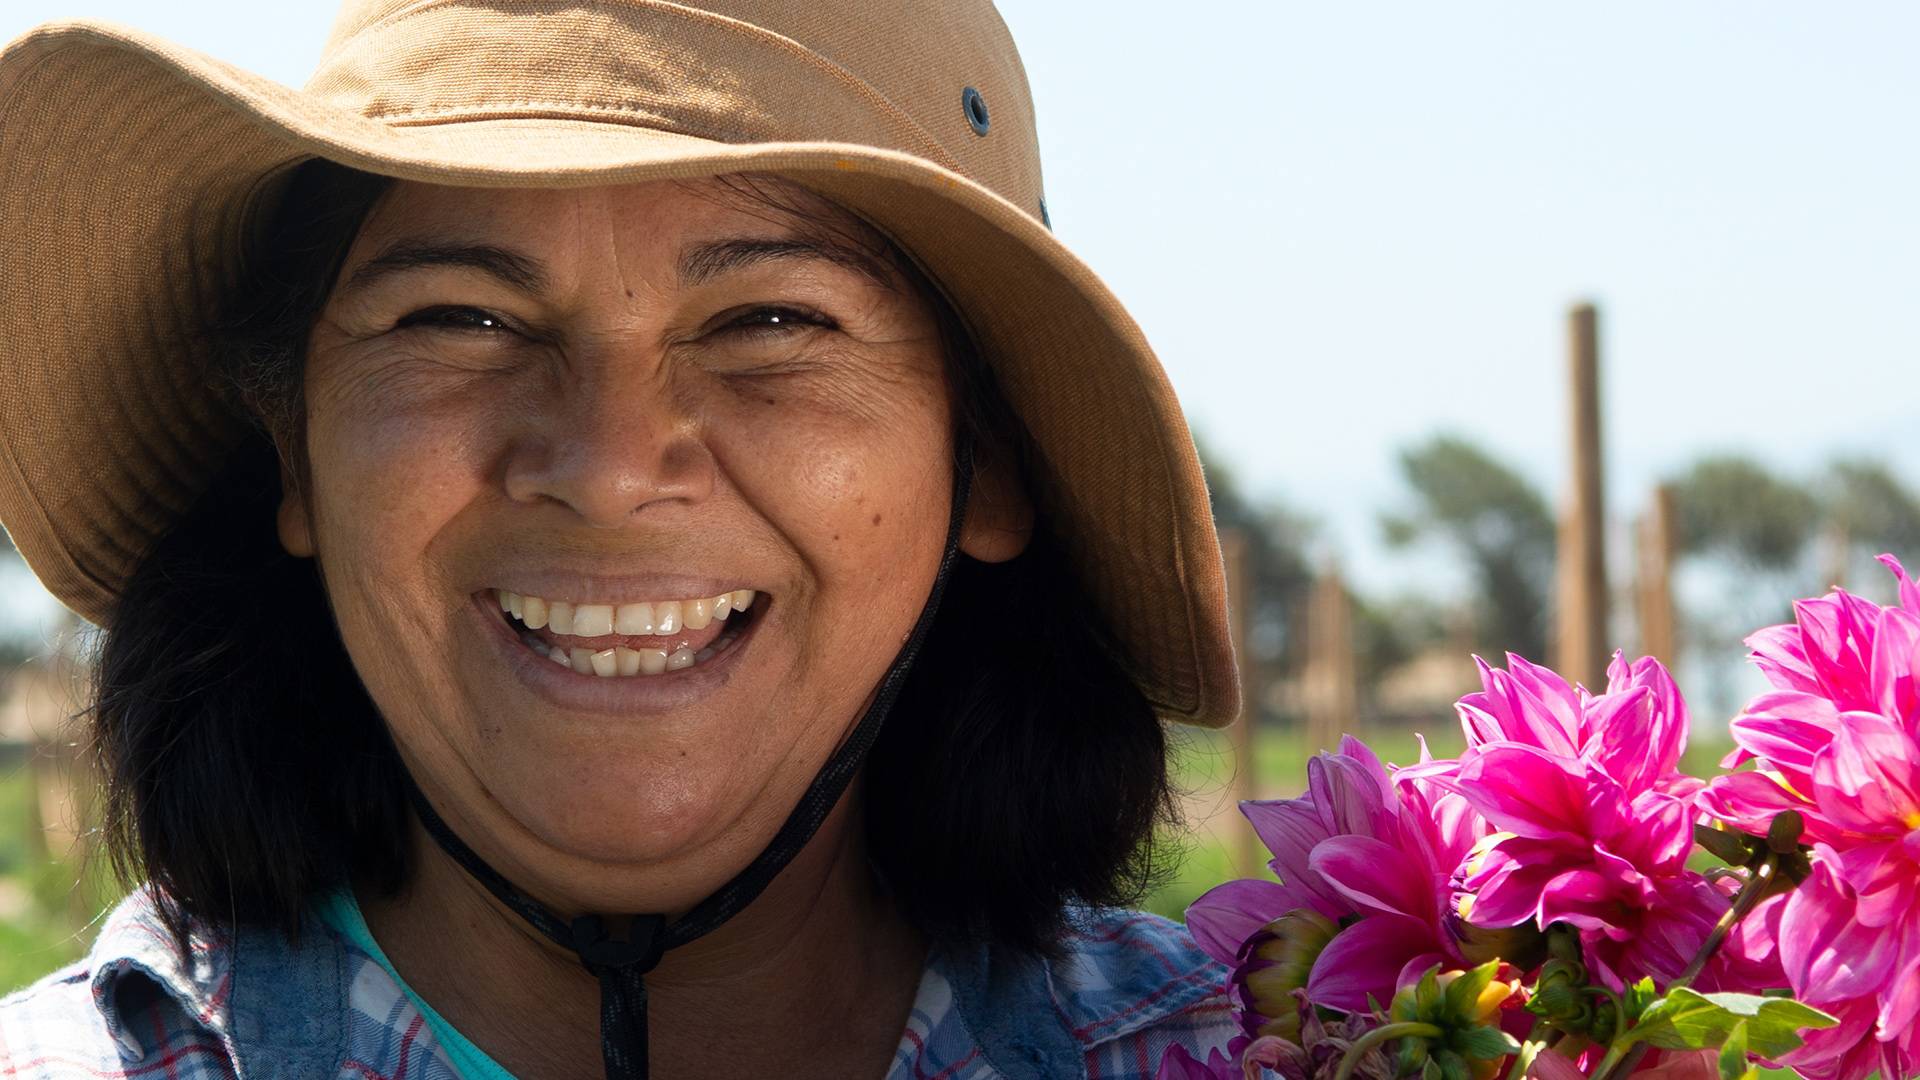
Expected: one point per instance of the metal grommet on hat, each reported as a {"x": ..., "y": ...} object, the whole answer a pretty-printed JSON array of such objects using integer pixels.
[{"x": 976, "y": 108}]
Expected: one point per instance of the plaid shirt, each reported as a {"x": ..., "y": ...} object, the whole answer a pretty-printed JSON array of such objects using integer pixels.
[{"x": 255, "y": 1005}]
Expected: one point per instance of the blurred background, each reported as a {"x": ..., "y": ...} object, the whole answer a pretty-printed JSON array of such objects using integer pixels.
[{"x": 1524, "y": 327}]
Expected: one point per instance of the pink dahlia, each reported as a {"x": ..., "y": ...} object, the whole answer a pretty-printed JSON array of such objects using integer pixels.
[
  {"x": 1366, "y": 861},
  {"x": 1594, "y": 820},
  {"x": 1838, "y": 741}
]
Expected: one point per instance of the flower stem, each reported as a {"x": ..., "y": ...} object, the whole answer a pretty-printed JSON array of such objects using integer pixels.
[
  {"x": 1616, "y": 1056},
  {"x": 1621, "y": 1058},
  {"x": 1743, "y": 902},
  {"x": 1523, "y": 1060},
  {"x": 1384, "y": 1033}
]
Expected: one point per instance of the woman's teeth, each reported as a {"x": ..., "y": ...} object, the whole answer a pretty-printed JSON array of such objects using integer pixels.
[{"x": 646, "y": 619}]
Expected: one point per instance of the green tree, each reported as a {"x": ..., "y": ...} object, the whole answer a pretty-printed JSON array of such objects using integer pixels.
[
  {"x": 1498, "y": 522},
  {"x": 1731, "y": 506},
  {"x": 1872, "y": 509},
  {"x": 1278, "y": 574},
  {"x": 1744, "y": 535}
]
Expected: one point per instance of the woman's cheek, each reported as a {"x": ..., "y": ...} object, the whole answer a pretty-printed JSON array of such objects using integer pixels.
[{"x": 386, "y": 484}]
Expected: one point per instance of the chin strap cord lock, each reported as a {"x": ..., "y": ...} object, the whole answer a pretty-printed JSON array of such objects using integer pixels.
[{"x": 621, "y": 967}]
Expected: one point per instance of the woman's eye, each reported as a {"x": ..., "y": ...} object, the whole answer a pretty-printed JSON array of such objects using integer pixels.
[
  {"x": 773, "y": 321},
  {"x": 451, "y": 317}
]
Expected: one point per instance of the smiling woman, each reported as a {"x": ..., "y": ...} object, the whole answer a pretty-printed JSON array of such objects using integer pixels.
[{"x": 585, "y": 599}]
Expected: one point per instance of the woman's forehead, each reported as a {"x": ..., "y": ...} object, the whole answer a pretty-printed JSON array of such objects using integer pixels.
[{"x": 697, "y": 228}]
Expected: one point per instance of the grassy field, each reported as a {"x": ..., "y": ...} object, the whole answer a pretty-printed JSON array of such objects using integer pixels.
[
  {"x": 45, "y": 917},
  {"x": 47, "y": 903}
]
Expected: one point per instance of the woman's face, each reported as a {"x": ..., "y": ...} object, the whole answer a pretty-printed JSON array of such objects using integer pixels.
[{"x": 621, "y": 405}]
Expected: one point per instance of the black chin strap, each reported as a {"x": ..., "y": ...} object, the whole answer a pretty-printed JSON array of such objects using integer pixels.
[{"x": 621, "y": 964}]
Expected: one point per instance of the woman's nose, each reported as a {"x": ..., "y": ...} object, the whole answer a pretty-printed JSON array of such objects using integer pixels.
[{"x": 609, "y": 446}]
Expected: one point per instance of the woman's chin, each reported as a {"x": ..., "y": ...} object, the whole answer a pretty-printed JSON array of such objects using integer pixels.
[{"x": 619, "y": 821}]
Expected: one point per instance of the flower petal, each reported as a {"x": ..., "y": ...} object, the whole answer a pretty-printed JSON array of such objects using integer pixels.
[
  {"x": 1552, "y": 1066},
  {"x": 1581, "y": 898},
  {"x": 1837, "y": 633},
  {"x": 1506, "y": 887},
  {"x": 1868, "y": 778},
  {"x": 1749, "y": 800},
  {"x": 1909, "y": 592},
  {"x": 1826, "y": 953},
  {"x": 1526, "y": 791},
  {"x": 1227, "y": 915},
  {"x": 1346, "y": 796},
  {"x": 1365, "y": 959},
  {"x": 1290, "y": 828},
  {"x": 1896, "y": 665},
  {"x": 1900, "y": 1002},
  {"x": 1657, "y": 833},
  {"x": 1547, "y": 706},
  {"x": 1375, "y": 876},
  {"x": 1786, "y": 728}
]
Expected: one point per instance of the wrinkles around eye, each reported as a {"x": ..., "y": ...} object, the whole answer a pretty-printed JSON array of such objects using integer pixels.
[
  {"x": 759, "y": 321},
  {"x": 454, "y": 317}
]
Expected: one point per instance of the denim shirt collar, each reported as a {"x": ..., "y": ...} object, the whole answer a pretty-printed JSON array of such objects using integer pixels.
[
  {"x": 279, "y": 1005},
  {"x": 276, "y": 1005},
  {"x": 1117, "y": 973}
]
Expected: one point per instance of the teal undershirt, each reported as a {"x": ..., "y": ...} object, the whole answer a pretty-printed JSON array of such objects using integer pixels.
[{"x": 341, "y": 911}]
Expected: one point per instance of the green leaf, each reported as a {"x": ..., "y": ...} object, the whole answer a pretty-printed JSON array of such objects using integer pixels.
[
  {"x": 1733, "y": 1055},
  {"x": 1485, "y": 1043},
  {"x": 1431, "y": 1071},
  {"x": 1427, "y": 996},
  {"x": 1452, "y": 1065},
  {"x": 1783, "y": 832},
  {"x": 1686, "y": 1020},
  {"x": 1639, "y": 997},
  {"x": 1413, "y": 1056},
  {"x": 1465, "y": 990},
  {"x": 1729, "y": 847},
  {"x": 1554, "y": 999}
]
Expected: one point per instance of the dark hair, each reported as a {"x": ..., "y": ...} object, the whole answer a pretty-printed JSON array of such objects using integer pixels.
[{"x": 245, "y": 767}]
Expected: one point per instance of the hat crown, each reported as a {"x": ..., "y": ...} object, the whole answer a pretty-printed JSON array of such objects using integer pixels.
[{"x": 889, "y": 73}]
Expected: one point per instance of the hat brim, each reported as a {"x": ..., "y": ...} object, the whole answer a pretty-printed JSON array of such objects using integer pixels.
[{"x": 131, "y": 170}]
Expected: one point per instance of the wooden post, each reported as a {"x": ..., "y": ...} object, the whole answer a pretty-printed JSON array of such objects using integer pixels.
[
  {"x": 1836, "y": 548},
  {"x": 1330, "y": 684},
  {"x": 1581, "y": 641},
  {"x": 1246, "y": 781},
  {"x": 1659, "y": 635}
]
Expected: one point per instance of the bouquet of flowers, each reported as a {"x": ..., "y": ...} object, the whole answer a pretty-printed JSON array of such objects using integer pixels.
[{"x": 1542, "y": 906}]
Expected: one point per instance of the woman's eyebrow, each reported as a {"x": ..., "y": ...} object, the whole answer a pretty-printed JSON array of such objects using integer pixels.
[
  {"x": 700, "y": 263},
  {"x": 522, "y": 272}
]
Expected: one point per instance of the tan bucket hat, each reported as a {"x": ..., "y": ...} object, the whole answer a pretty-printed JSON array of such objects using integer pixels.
[{"x": 131, "y": 169}]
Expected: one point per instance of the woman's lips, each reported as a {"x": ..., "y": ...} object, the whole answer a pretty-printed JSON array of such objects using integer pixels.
[
  {"x": 587, "y": 696},
  {"x": 640, "y": 638}
]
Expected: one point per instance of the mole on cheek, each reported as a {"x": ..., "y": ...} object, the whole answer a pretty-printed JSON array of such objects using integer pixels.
[{"x": 876, "y": 519}]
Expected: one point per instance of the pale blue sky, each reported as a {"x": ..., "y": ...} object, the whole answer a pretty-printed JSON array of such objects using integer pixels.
[{"x": 1347, "y": 225}]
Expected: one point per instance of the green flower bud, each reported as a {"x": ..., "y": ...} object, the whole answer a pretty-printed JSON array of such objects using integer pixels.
[{"x": 1278, "y": 960}]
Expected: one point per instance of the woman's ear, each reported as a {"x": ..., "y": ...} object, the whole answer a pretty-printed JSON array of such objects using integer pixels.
[
  {"x": 292, "y": 521},
  {"x": 999, "y": 520}
]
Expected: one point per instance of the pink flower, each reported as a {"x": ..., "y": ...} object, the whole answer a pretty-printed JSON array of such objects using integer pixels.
[
  {"x": 1594, "y": 819},
  {"x": 1178, "y": 1063},
  {"x": 1838, "y": 741},
  {"x": 1359, "y": 850},
  {"x": 1635, "y": 732},
  {"x": 1244, "y": 1059}
]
